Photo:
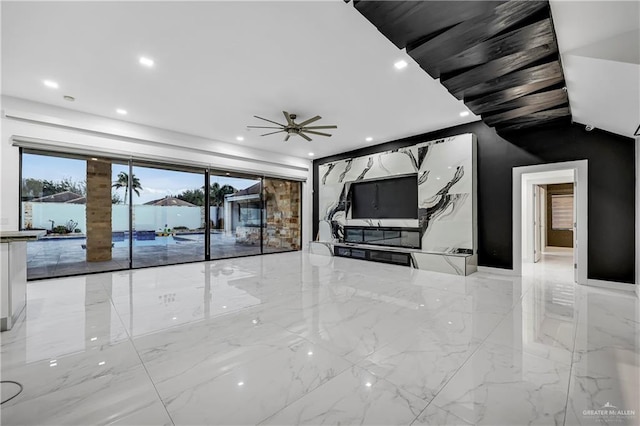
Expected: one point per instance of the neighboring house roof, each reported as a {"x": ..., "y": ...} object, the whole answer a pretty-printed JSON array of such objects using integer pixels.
[
  {"x": 253, "y": 189},
  {"x": 81, "y": 200},
  {"x": 62, "y": 197},
  {"x": 169, "y": 201}
]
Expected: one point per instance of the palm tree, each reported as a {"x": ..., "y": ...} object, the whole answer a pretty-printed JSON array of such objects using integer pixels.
[
  {"x": 217, "y": 193},
  {"x": 123, "y": 182}
]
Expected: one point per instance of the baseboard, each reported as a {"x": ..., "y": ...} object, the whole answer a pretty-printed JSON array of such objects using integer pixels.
[
  {"x": 496, "y": 271},
  {"x": 612, "y": 285}
]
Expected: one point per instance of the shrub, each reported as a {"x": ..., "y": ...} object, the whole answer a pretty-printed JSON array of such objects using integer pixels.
[
  {"x": 77, "y": 230},
  {"x": 61, "y": 229}
]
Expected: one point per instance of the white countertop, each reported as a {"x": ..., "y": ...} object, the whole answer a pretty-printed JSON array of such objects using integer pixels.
[{"x": 9, "y": 236}]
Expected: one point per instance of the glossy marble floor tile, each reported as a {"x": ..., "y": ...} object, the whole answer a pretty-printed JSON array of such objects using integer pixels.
[
  {"x": 500, "y": 385},
  {"x": 354, "y": 397},
  {"x": 295, "y": 338},
  {"x": 597, "y": 399}
]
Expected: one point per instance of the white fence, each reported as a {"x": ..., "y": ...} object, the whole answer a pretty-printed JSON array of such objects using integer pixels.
[{"x": 146, "y": 218}]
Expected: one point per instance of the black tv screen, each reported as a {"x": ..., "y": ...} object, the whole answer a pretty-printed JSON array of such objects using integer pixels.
[{"x": 393, "y": 198}]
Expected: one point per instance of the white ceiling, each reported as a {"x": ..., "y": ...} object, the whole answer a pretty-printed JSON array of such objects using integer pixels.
[
  {"x": 220, "y": 63},
  {"x": 599, "y": 44}
]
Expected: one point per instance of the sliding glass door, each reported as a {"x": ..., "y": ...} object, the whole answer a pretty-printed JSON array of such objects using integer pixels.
[
  {"x": 168, "y": 215},
  {"x": 235, "y": 206},
  {"x": 102, "y": 214},
  {"x": 70, "y": 199}
]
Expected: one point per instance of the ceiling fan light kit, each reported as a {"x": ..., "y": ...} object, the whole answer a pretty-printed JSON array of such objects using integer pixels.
[{"x": 292, "y": 128}]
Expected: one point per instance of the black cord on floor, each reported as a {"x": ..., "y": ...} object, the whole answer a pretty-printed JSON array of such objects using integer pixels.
[{"x": 15, "y": 383}]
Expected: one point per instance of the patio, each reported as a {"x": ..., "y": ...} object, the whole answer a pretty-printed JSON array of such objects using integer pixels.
[{"x": 48, "y": 258}]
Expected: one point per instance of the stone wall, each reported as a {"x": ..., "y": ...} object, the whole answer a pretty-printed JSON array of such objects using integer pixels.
[
  {"x": 98, "y": 210},
  {"x": 282, "y": 203}
]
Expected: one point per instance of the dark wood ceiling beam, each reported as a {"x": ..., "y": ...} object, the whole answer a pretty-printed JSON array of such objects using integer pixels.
[
  {"x": 551, "y": 100},
  {"x": 405, "y": 22},
  {"x": 491, "y": 70},
  {"x": 529, "y": 75},
  {"x": 526, "y": 38},
  {"x": 535, "y": 119},
  {"x": 536, "y": 99},
  {"x": 495, "y": 100},
  {"x": 473, "y": 31}
]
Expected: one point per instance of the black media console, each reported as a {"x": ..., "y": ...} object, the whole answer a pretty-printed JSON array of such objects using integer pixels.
[
  {"x": 389, "y": 236},
  {"x": 374, "y": 255}
]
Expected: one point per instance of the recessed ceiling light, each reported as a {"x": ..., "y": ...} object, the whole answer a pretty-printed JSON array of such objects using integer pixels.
[
  {"x": 239, "y": 138},
  {"x": 51, "y": 84},
  {"x": 369, "y": 139},
  {"x": 400, "y": 64},
  {"x": 94, "y": 158},
  {"x": 464, "y": 113},
  {"x": 121, "y": 111},
  {"x": 227, "y": 173},
  {"x": 311, "y": 154},
  {"x": 147, "y": 62}
]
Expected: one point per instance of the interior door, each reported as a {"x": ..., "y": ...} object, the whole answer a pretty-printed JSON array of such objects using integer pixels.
[
  {"x": 575, "y": 228},
  {"x": 537, "y": 223},
  {"x": 543, "y": 217}
]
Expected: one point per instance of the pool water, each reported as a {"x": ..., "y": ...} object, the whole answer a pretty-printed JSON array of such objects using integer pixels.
[{"x": 163, "y": 241}]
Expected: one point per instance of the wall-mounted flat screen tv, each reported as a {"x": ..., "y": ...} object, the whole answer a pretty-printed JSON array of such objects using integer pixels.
[{"x": 392, "y": 198}]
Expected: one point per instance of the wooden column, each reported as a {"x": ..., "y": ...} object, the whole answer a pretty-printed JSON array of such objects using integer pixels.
[{"x": 98, "y": 210}]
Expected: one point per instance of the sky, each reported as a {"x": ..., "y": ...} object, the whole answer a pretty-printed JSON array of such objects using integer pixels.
[{"x": 156, "y": 183}]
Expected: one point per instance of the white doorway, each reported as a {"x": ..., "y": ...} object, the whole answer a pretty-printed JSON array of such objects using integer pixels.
[{"x": 530, "y": 222}]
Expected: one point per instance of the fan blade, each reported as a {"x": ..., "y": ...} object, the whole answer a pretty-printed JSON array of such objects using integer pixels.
[
  {"x": 309, "y": 121},
  {"x": 305, "y": 136},
  {"x": 321, "y": 127},
  {"x": 288, "y": 118},
  {"x": 316, "y": 133},
  {"x": 270, "y": 121},
  {"x": 288, "y": 136},
  {"x": 264, "y": 127},
  {"x": 273, "y": 133}
]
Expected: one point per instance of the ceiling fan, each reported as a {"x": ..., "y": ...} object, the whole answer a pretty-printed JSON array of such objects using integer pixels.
[{"x": 291, "y": 128}]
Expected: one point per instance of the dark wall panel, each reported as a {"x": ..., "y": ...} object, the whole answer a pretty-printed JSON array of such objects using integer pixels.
[{"x": 611, "y": 191}]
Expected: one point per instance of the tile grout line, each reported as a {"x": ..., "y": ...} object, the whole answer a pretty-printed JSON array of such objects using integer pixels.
[
  {"x": 465, "y": 362},
  {"x": 138, "y": 354},
  {"x": 569, "y": 382},
  {"x": 317, "y": 387}
]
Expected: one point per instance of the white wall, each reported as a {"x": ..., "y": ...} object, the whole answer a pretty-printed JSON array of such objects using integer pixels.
[
  {"x": 156, "y": 218},
  {"x": 52, "y": 128},
  {"x": 60, "y": 213}
]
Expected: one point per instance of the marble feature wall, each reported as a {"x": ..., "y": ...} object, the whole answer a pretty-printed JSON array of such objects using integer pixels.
[{"x": 445, "y": 170}]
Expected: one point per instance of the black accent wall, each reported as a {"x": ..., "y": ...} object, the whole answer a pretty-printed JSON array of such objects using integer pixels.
[{"x": 611, "y": 191}]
